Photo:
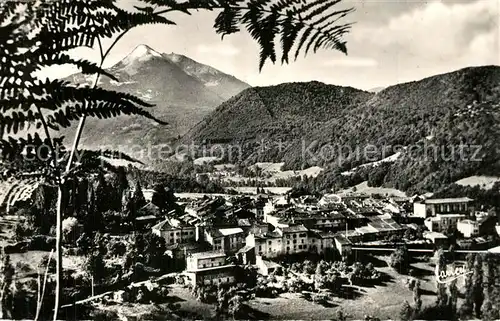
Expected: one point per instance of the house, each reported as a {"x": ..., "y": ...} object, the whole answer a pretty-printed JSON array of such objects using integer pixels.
[
  {"x": 283, "y": 240},
  {"x": 246, "y": 255},
  {"x": 439, "y": 239},
  {"x": 482, "y": 225},
  {"x": 320, "y": 241},
  {"x": 209, "y": 268},
  {"x": 175, "y": 231},
  {"x": 274, "y": 205},
  {"x": 441, "y": 222},
  {"x": 181, "y": 250},
  {"x": 294, "y": 239},
  {"x": 305, "y": 201},
  {"x": 343, "y": 245},
  {"x": 433, "y": 207},
  {"x": 265, "y": 267},
  {"x": 267, "y": 244},
  {"x": 229, "y": 240},
  {"x": 468, "y": 228}
]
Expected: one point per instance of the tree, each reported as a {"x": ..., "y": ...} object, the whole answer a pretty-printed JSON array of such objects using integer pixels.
[
  {"x": 38, "y": 34},
  {"x": 138, "y": 196},
  {"x": 488, "y": 311},
  {"x": 442, "y": 296},
  {"x": 468, "y": 304},
  {"x": 417, "y": 296},
  {"x": 399, "y": 260},
  {"x": 6, "y": 278},
  {"x": 477, "y": 285},
  {"x": 163, "y": 197},
  {"x": 453, "y": 298},
  {"x": 95, "y": 267},
  {"x": 70, "y": 229},
  {"x": 235, "y": 306},
  {"x": 406, "y": 312},
  {"x": 341, "y": 316}
]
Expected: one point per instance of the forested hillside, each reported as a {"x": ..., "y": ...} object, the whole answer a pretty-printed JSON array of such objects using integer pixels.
[{"x": 445, "y": 127}]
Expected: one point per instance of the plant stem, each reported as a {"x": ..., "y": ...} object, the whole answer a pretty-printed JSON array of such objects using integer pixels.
[{"x": 60, "y": 210}]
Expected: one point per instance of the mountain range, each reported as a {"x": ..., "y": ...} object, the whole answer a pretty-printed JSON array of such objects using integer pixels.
[
  {"x": 183, "y": 91},
  {"x": 314, "y": 124}
]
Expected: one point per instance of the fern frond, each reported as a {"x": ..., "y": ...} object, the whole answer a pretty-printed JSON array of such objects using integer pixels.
[{"x": 293, "y": 20}]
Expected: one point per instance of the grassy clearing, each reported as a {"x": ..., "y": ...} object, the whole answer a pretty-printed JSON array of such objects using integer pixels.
[
  {"x": 364, "y": 188},
  {"x": 382, "y": 301},
  {"x": 190, "y": 308},
  {"x": 485, "y": 182}
]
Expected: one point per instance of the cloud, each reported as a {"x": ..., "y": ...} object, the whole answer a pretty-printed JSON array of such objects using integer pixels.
[
  {"x": 218, "y": 49},
  {"x": 438, "y": 32},
  {"x": 351, "y": 62}
]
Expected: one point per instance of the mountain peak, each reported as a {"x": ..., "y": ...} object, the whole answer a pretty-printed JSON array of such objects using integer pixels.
[
  {"x": 141, "y": 53},
  {"x": 219, "y": 82}
]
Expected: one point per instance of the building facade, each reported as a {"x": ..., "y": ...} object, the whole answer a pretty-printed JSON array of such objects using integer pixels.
[
  {"x": 209, "y": 268},
  {"x": 442, "y": 222},
  {"x": 175, "y": 231},
  {"x": 433, "y": 207},
  {"x": 229, "y": 240}
]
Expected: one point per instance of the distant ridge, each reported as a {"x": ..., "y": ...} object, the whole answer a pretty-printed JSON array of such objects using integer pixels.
[{"x": 376, "y": 89}]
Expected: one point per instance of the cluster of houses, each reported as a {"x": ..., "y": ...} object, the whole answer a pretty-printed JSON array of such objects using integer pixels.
[{"x": 213, "y": 232}]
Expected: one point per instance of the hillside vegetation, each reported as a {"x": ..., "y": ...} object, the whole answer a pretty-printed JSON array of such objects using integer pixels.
[{"x": 445, "y": 127}]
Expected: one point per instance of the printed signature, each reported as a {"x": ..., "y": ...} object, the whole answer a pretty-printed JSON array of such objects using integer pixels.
[{"x": 450, "y": 276}]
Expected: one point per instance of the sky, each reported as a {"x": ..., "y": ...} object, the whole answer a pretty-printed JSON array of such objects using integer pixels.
[{"x": 392, "y": 41}]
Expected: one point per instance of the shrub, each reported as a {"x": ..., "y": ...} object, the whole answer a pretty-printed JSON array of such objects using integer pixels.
[{"x": 400, "y": 261}]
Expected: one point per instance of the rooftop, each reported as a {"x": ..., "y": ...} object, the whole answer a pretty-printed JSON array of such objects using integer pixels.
[
  {"x": 494, "y": 250},
  {"x": 384, "y": 224},
  {"x": 467, "y": 222},
  {"x": 434, "y": 235},
  {"x": 207, "y": 255},
  {"x": 168, "y": 224},
  {"x": 246, "y": 248},
  {"x": 341, "y": 239},
  {"x": 268, "y": 235},
  {"x": 270, "y": 264},
  {"x": 230, "y": 231},
  {"x": 294, "y": 229},
  {"x": 450, "y": 215},
  {"x": 145, "y": 218},
  {"x": 367, "y": 229},
  {"x": 244, "y": 222},
  {"x": 448, "y": 200}
]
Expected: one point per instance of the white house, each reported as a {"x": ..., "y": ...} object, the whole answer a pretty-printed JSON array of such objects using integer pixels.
[
  {"x": 432, "y": 207},
  {"x": 209, "y": 268},
  {"x": 441, "y": 222}
]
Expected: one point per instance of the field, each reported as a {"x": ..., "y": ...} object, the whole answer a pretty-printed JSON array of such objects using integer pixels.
[
  {"x": 253, "y": 190},
  {"x": 382, "y": 301},
  {"x": 485, "y": 182},
  {"x": 190, "y": 309},
  {"x": 364, "y": 188},
  {"x": 270, "y": 172}
]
